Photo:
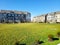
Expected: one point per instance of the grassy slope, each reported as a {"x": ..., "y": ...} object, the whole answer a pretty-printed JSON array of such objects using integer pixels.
[{"x": 27, "y": 33}]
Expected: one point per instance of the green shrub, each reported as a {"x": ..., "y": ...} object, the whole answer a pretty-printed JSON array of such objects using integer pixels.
[
  {"x": 50, "y": 36},
  {"x": 58, "y": 34}
]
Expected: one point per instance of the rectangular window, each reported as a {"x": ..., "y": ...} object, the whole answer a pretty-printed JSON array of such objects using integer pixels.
[
  {"x": 19, "y": 15},
  {"x": 10, "y": 18},
  {"x": 12, "y": 14},
  {"x": 9, "y": 14}
]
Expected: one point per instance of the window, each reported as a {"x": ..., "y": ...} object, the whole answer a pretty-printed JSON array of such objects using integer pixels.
[
  {"x": 21, "y": 15},
  {"x": 29, "y": 15},
  {"x": 16, "y": 18},
  {"x": 15, "y": 14},
  {"x": 10, "y": 18},
  {"x": 9, "y": 14},
  {"x": 18, "y": 14},
  {"x": 12, "y": 14}
]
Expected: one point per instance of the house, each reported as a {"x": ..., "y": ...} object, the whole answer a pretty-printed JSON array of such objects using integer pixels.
[
  {"x": 53, "y": 17},
  {"x": 34, "y": 19},
  {"x": 57, "y": 16},
  {"x": 40, "y": 18}
]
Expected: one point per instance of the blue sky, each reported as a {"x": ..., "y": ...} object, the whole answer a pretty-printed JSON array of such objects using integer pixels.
[{"x": 35, "y": 7}]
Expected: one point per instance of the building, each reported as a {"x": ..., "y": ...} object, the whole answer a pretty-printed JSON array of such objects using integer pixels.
[
  {"x": 40, "y": 18},
  {"x": 53, "y": 17},
  {"x": 57, "y": 16},
  {"x": 8, "y": 16},
  {"x": 34, "y": 19}
]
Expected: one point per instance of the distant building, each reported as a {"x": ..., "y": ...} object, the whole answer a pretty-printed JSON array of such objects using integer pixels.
[
  {"x": 57, "y": 17},
  {"x": 53, "y": 17},
  {"x": 40, "y": 18},
  {"x": 34, "y": 19},
  {"x": 8, "y": 16}
]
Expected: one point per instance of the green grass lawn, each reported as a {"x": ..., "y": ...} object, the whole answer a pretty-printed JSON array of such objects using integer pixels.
[{"x": 28, "y": 33}]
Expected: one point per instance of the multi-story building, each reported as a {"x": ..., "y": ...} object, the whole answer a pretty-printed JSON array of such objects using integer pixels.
[
  {"x": 53, "y": 17},
  {"x": 8, "y": 16},
  {"x": 57, "y": 17},
  {"x": 34, "y": 19},
  {"x": 40, "y": 18}
]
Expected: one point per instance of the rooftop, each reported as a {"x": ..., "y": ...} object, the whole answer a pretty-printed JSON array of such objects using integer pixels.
[{"x": 14, "y": 11}]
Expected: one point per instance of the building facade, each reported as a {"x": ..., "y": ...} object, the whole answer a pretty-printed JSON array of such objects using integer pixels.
[
  {"x": 8, "y": 16},
  {"x": 40, "y": 19},
  {"x": 34, "y": 19},
  {"x": 57, "y": 16},
  {"x": 53, "y": 17}
]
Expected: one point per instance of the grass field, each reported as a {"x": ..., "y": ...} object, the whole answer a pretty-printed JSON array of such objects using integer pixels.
[{"x": 28, "y": 33}]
